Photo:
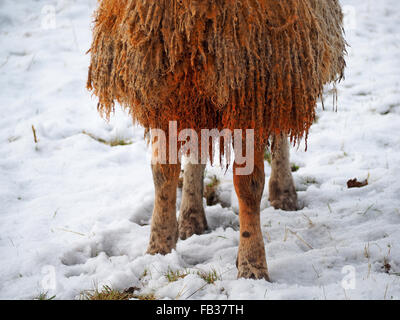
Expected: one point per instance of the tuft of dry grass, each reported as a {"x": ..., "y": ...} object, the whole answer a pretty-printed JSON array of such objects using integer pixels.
[
  {"x": 367, "y": 253},
  {"x": 43, "y": 296},
  {"x": 112, "y": 143},
  {"x": 35, "y": 139},
  {"x": 108, "y": 293},
  {"x": 294, "y": 167},
  {"x": 209, "y": 277},
  {"x": 173, "y": 276}
]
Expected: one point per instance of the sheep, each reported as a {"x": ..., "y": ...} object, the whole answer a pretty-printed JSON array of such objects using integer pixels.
[{"x": 223, "y": 64}]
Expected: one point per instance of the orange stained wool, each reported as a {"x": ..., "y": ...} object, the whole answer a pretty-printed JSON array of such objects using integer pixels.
[{"x": 258, "y": 64}]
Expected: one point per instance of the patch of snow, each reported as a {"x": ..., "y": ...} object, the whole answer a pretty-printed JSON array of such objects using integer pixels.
[{"x": 75, "y": 212}]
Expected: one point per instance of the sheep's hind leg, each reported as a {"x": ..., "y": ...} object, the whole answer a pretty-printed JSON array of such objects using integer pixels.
[
  {"x": 164, "y": 227},
  {"x": 192, "y": 219},
  {"x": 282, "y": 192},
  {"x": 251, "y": 262}
]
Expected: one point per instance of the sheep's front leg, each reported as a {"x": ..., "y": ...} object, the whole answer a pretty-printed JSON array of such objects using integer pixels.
[
  {"x": 164, "y": 227},
  {"x": 251, "y": 262},
  {"x": 282, "y": 192},
  {"x": 192, "y": 219}
]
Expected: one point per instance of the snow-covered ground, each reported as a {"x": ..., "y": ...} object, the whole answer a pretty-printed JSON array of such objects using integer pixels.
[{"x": 75, "y": 212}]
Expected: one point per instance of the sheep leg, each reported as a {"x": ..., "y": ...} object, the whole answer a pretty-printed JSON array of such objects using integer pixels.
[
  {"x": 192, "y": 219},
  {"x": 164, "y": 227},
  {"x": 251, "y": 262},
  {"x": 282, "y": 192}
]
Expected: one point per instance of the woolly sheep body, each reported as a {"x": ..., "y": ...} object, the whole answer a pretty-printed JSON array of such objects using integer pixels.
[
  {"x": 224, "y": 64},
  {"x": 258, "y": 64}
]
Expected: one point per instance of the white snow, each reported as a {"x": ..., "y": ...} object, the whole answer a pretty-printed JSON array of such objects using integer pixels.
[{"x": 74, "y": 212}]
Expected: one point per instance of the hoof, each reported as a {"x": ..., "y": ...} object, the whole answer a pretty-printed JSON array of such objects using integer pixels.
[
  {"x": 288, "y": 203},
  {"x": 154, "y": 250},
  {"x": 247, "y": 270},
  {"x": 282, "y": 194},
  {"x": 191, "y": 222},
  {"x": 256, "y": 272},
  {"x": 162, "y": 249},
  {"x": 161, "y": 244}
]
